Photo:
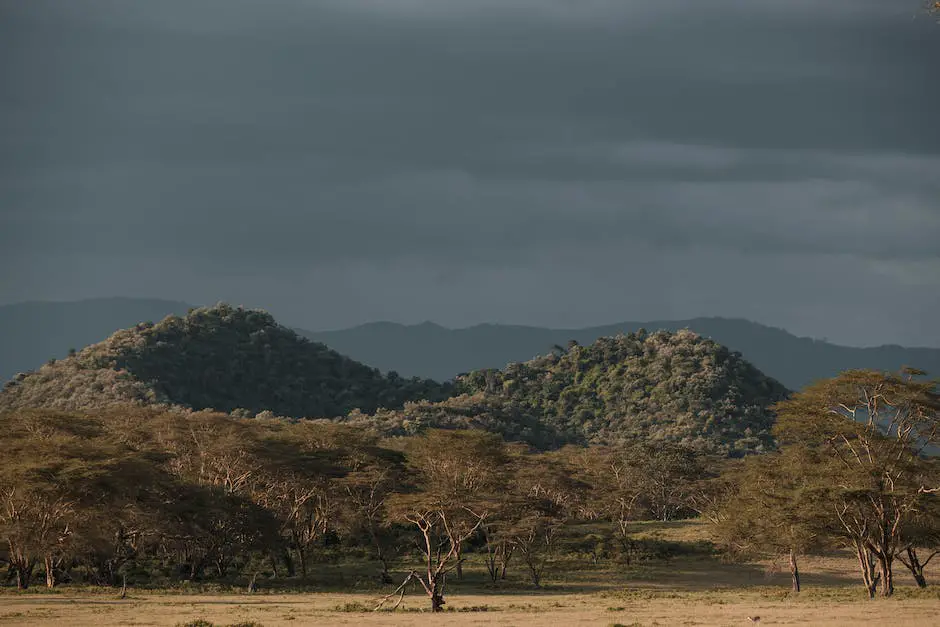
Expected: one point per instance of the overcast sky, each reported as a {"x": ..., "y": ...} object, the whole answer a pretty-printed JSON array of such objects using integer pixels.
[{"x": 545, "y": 162}]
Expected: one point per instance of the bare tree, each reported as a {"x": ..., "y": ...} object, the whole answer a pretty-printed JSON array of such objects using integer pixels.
[{"x": 457, "y": 473}]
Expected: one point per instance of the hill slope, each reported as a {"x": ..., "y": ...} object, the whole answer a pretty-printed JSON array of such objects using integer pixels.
[
  {"x": 34, "y": 332},
  {"x": 222, "y": 358},
  {"x": 429, "y": 350},
  {"x": 674, "y": 387}
]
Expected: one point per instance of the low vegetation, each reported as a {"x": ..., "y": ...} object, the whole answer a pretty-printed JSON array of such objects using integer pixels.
[{"x": 146, "y": 497}]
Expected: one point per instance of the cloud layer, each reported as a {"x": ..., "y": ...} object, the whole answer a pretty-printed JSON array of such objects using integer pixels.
[{"x": 532, "y": 161}]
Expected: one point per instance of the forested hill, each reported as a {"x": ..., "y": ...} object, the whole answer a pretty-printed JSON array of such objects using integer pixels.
[
  {"x": 430, "y": 350},
  {"x": 675, "y": 387},
  {"x": 32, "y": 333},
  {"x": 222, "y": 358}
]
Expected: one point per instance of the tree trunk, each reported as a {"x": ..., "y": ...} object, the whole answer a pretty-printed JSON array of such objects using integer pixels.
[
  {"x": 24, "y": 575},
  {"x": 794, "y": 571},
  {"x": 867, "y": 566},
  {"x": 21, "y": 565},
  {"x": 436, "y": 592},
  {"x": 535, "y": 571},
  {"x": 50, "y": 571},
  {"x": 491, "y": 568},
  {"x": 887, "y": 574},
  {"x": 458, "y": 553},
  {"x": 302, "y": 558},
  {"x": 289, "y": 563},
  {"x": 504, "y": 559},
  {"x": 273, "y": 559},
  {"x": 380, "y": 555},
  {"x": 917, "y": 569}
]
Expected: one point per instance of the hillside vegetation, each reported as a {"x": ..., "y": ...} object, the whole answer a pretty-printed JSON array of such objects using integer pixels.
[
  {"x": 32, "y": 333},
  {"x": 224, "y": 358},
  {"x": 430, "y": 350},
  {"x": 675, "y": 387}
]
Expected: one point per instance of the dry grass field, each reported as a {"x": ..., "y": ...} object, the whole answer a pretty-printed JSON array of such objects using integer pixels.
[{"x": 679, "y": 591}]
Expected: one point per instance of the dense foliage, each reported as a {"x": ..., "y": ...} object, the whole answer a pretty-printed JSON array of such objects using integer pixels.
[
  {"x": 467, "y": 411},
  {"x": 853, "y": 469},
  {"x": 222, "y": 358},
  {"x": 155, "y": 497},
  {"x": 675, "y": 387}
]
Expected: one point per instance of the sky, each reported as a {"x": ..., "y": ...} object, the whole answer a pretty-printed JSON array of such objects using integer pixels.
[{"x": 545, "y": 162}]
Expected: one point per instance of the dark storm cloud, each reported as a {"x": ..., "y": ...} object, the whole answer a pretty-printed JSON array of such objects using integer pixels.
[{"x": 242, "y": 149}]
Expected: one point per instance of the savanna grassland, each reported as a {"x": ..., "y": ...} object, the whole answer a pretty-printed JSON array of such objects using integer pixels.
[
  {"x": 694, "y": 589},
  {"x": 217, "y": 468}
]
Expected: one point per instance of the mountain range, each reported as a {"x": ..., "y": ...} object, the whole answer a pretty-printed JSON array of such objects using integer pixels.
[
  {"x": 32, "y": 333},
  {"x": 433, "y": 351}
]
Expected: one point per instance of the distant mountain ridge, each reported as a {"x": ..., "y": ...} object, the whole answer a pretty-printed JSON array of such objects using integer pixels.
[
  {"x": 32, "y": 333},
  {"x": 433, "y": 351}
]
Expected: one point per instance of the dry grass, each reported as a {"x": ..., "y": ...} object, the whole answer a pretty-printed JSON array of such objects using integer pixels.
[
  {"x": 682, "y": 591},
  {"x": 629, "y": 608}
]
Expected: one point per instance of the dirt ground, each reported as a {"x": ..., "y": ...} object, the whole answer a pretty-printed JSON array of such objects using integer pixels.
[
  {"x": 544, "y": 609},
  {"x": 682, "y": 591}
]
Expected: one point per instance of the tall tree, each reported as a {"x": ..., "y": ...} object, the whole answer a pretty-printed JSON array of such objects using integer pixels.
[
  {"x": 773, "y": 509},
  {"x": 457, "y": 474},
  {"x": 870, "y": 431}
]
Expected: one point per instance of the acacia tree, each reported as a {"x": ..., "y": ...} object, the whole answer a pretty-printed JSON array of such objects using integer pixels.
[
  {"x": 456, "y": 475},
  {"x": 64, "y": 480},
  {"x": 870, "y": 431},
  {"x": 668, "y": 473},
  {"x": 636, "y": 481},
  {"x": 921, "y": 533},
  {"x": 614, "y": 477},
  {"x": 545, "y": 495},
  {"x": 771, "y": 509}
]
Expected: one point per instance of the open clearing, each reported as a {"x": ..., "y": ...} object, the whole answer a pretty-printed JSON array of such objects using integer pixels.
[
  {"x": 702, "y": 592},
  {"x": 680, "y": 591},
  {"x": 724, "y": 608}
]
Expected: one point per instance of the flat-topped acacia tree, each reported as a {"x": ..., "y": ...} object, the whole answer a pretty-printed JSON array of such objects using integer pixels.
[
  {"x": 772, "y": 508},
  {"x": 872, "y": 433},
  {"x": 458, "y": 475}
]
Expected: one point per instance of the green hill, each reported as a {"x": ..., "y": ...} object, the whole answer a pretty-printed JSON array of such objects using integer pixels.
[
  {"x": 665, "y": 386},
  {"x": 224, "y": 358},
  {"x": 31, "y": 333},
  {"x": 430, "y": 350}
]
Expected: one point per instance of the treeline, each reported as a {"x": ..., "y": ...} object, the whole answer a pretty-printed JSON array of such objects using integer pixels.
[
  {"x": 856, "y": 468},
  {"x": 168, "y": 496},
  {"x": 155, "y": 496}
]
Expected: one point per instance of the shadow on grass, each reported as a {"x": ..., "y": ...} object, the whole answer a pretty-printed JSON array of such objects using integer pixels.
[{"x": 567, "y": 576}]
